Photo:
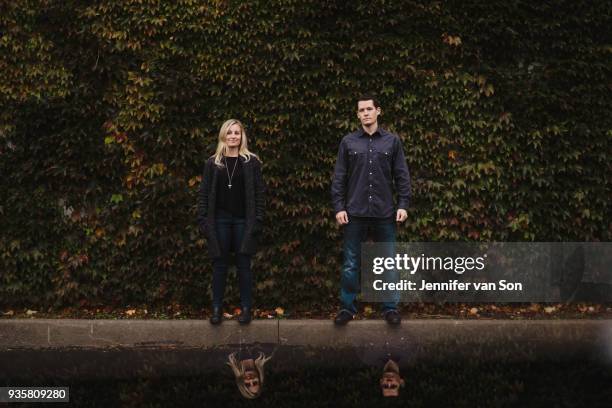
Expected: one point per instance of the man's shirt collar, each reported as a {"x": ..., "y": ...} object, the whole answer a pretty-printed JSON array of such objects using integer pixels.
[{"x": 379, "y": 132}]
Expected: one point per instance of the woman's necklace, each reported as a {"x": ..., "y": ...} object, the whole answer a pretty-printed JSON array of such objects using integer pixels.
[{"x": 229, "y": 185}]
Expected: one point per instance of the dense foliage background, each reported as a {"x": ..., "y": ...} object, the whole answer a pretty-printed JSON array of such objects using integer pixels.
[{"x": 109, "y": 109}]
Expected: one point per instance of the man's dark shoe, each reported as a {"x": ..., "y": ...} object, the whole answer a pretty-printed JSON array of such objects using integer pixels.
[
  {"x": 343, "y": 317},
  {"x": 217, "y": 315},
  {"x": 245, "y": 316},
  {"x": 392, "y": 317}
]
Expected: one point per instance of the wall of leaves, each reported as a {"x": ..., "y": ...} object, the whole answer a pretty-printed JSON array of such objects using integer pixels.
[{"x": 108, "y": 111}]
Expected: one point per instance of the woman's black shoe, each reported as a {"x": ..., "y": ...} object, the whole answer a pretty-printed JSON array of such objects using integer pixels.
[
  {"x": 245, "y": 316},
  {"x": 217, "y": 315}
]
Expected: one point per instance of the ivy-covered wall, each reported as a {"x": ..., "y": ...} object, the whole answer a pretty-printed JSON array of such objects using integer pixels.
[{"x": 108, "y": 111}]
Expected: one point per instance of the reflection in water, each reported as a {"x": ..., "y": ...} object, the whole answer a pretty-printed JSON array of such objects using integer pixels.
[
  {"x": 391, "y": 381},
  {"x": 308, "y": 377},
  {"x": 249, "y": 374}
]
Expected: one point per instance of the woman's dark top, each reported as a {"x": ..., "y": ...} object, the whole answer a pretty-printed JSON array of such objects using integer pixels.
[{"x": 230, "y": 201}]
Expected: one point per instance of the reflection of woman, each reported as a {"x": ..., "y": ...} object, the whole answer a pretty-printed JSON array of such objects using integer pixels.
[
  {"x": 249, "y": 374},
  {"x": 230, "y": 213}
]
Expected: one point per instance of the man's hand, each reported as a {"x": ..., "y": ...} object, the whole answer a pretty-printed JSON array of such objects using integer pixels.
[
  {"x": 400, "y": 217},
  {"x": 342, "y": 217}
]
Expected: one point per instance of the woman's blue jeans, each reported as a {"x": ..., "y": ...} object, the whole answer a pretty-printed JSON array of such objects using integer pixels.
[{"x": 230, "y": 232}]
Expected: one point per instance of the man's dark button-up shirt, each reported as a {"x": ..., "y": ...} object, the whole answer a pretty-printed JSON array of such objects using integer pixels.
[{"x": 366, "y": 170}]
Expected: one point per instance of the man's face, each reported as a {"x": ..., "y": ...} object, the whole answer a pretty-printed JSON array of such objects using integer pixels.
[
  {"x": 390, "y": 384},
  {"x": 367, "y": 113}
]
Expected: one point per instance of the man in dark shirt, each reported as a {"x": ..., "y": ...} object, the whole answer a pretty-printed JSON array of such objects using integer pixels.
[{"x": 370, "y": 161}]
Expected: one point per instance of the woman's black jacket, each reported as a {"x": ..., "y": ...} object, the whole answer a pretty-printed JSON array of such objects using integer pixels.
[{"x": 254, "y": 205}]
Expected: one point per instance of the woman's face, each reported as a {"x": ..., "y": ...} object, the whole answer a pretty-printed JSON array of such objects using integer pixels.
[
  {"x": 233, "y": 138},
  {"x": 251, "y": 380}
]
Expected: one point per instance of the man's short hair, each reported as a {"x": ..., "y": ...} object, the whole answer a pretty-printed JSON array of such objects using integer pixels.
[{"x": 369, "y": 97}]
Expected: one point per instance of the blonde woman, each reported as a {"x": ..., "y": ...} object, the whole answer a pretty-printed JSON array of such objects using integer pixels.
[
  {"x": 230, "y": 213},
  {"x": 249, "y": 374}
]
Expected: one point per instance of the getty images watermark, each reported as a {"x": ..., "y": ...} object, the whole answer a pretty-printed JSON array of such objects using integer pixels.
[{"x": 487, "y": 272}]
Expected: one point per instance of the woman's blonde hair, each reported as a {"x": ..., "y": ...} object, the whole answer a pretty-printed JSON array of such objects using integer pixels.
[
  {"x": 238, "y": 370},
  {"x": 243, "y": 150}
]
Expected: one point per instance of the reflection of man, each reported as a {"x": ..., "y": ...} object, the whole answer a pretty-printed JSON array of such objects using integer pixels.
[
  {"x": 370, "y": 162},
  {"x": 391, "y": 381}
]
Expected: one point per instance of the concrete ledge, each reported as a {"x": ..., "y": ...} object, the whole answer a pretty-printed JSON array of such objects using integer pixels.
[
  {"x": 59, "y": 333},
  {"x": 482, "y": 339},
  {"x": 367, "y": 332},
  {"x": 47, "y": 348}
]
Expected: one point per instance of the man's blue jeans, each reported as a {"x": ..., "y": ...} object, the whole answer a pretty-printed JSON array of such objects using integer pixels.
[
  {"x": 230, "y": 231},
  {"x": 356, "y": 232}
]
